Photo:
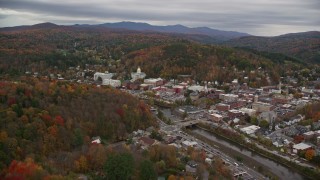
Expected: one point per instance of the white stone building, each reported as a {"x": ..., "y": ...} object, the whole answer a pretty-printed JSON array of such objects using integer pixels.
[{"x": 137, "y": 75}]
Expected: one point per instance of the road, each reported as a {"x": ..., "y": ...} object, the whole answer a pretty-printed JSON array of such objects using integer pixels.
[{"x": 247, "y": 173}]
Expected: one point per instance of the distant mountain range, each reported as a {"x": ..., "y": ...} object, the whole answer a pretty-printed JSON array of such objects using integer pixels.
[
  {"x": 213, "y": 33},
  {"x": 203, "y": 34},
  {"x": 26, "y": 27},
  {"x": 304, "y": 45}
]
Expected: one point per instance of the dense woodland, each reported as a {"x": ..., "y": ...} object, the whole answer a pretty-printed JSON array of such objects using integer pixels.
[
  {"x": 207, "y": 63},
  {"x": 303, "y": 46},
  {"x": 160, "y": 55},
  {"x": 50, "y": 120}
]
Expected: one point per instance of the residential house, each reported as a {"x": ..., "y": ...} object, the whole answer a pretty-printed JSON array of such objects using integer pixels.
[
  {"x": 96, "y": 140},
  {"x": 147, "y": 142},
  {"x": 269, "y": 116},
  {"x": 300, "y": 147},
  {"x": 215, "y": 117},
  {"x": 308, "y": 135},
  {"x": 250, "y": 129},
  {"x": 233, "y": 113},
  {"x": 222, "y": 107}
]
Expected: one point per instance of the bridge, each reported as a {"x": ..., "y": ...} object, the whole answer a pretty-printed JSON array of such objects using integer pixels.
[{"x": 188, "y": 123}]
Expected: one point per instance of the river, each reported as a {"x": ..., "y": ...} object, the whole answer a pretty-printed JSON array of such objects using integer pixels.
[{"x": 250, "y": 158}]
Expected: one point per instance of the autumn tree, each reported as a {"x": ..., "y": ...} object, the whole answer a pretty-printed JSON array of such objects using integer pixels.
[
  {"x": 298, "y": 138},
  {"x": 264, "y": 124},
  {"x": 97, "y": 156},
  {"x": 147, "y": 171},
  {"x": 27, "y": 169},
  {"x": 310, "y": 153},
  {"x": 119, "y": 166},
  {"x": 81, "y": 164}
]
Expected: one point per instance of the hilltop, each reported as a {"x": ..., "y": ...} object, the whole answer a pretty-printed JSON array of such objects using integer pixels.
[
  {"x": 305, "y": 45},
  {"x": 204, "y": 34}
]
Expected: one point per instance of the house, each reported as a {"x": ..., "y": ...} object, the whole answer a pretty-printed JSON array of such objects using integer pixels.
[
  {"x": 291, "y": 131},
  {"x": 277, "y": 144},
  {"x": 194, "y": 96},
  {"x": 236, "y": 120},
  {"x": 250, "y": 129},
  {"x": 316, "y": 125},
  {"x": 146, "y": 141},
  {"x": 192, "y": 164},
  {"x": 189, "y": 143},
  {"x": 215, "y": 117},
  {"x": 269, "y": 116},
  {"x": 300, "y": 147},
  {"x": 318, "y": 141},
  {"x": 233, "y": 113},
  {"x": 145, "y": 87},
  {"x": 111, "y": 82},
  {"x": 180, "y": 111},
  {"x": 101, "y": 76},
  {"x": 190, "y": 169},
  {"x": 154, "y": 81},
  {"x": 197, "y": 88},
  {"x": 262, "y": 107},
  {"x": 208, "y": 160},
  {"x": 150, "y": 129},
  {"x": 250, "y": 112},
  {"x": 228, "y": 97},
  {"x": 236, "y": 104},
  {"x": 280, "y": 99},
  {"x": 82, "y": 177},
  {"x": 96, "y": 140},
  {"x": 308, "y": 135},
  {"x": 178, "y": 89},
  {"x": 222, "y": 107},
  {"x": 169, "y": 139},
  {"x": 131, "y": 85},
  {"x": 317, "y": 133}
]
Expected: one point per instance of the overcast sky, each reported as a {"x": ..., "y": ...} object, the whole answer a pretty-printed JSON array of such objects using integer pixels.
[{"x": 257, "y": 17}]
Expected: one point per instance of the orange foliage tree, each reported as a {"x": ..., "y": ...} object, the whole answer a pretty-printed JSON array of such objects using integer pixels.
[
  {"x": 23, "y": 170},
  {"x": 310, "y": 153}
]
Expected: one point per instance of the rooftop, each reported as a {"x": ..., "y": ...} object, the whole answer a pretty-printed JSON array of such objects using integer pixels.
[{"x": 301, "y": 146}]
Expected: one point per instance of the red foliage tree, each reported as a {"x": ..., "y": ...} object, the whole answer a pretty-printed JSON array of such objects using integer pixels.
[
  {"x": 120, "y": 112},
  {"x": 59, "y": 120},
  {"x": 143, "y": 107},
  {"x": 27, "y": 92},
  {"x": 46, "y": 117},
  {"x": 11, "y": 100},
  {"x": 22, "y": 170},
  {"x": 298, "y": 139}
]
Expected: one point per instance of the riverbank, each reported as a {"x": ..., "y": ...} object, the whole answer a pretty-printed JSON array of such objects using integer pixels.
[
  {"x": 306, "y": 172},
  {"x": 241, "y": 158}
]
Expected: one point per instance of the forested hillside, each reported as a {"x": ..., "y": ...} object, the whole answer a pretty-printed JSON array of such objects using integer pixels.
[
  {"x": 207, "y": 63},
  {"x": 52, "y": 50},
  {"x": 45, "y": 120},
  {"x": 40, "y": 49},
  {"x": 304, "y": 46}
]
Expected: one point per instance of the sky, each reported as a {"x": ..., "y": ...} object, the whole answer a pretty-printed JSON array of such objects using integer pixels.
[{"x": 256, "y": 17}]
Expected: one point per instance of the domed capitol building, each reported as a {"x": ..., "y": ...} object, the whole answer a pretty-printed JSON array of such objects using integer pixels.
[{"x": 137, "y": 75}]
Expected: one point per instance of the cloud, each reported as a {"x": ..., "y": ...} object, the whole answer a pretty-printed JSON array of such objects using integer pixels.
[{"x": 259, "y": 17}]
